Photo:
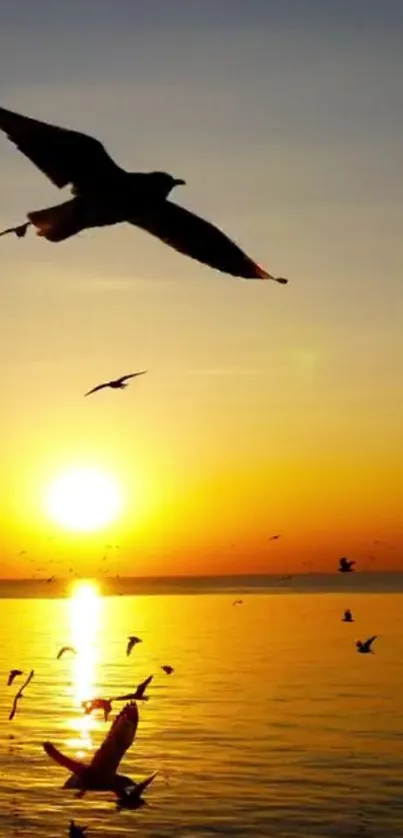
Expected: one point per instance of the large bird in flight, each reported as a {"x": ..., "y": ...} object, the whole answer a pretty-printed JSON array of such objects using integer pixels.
[
  {"x": 101, "y": 773},
  {"x": 116, "y": 384},
  {"x": 105, "y": 194}
]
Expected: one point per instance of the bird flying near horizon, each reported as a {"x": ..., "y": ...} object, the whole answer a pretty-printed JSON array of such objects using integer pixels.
[
  {"x": 104, "y": 194},
  {"x": 348, "y": 616},
  {"x": 65, "y": 649},
  {"x": 101, "y": 773},
  {"x": 346, "y": 566},
  {"x": 167, "y": 669},
  {"x": 138, "y": 694},
  {"x": 132, "y": 641},
  {"x": 19, "y": 695},
  {"x": 116, "y": 384}
]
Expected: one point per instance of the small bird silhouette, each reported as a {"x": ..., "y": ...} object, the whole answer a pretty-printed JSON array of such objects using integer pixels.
[
  {"x": 117, "y": 383},
  {"x": 131, "y": 797},
  {"x": 51, "y": 579},
  {"x": 348, "y": 617},
  {"x": 104, "y": 194},
  {"x": 274, "y": 537},
  {"x": 75, "y": 831},
  {"x": 65, "y": 649},
  {"x": 13, "y": 674},
  {"x": 132, "y": 641},
  {"x": 138, "y": 694},
  {"x": 168, "y": 669},
  {"x": 238, "y": 602},
  {"x": 365, "y": 648},
  {"x": 345, "y": 566},
  {"x": 104, "y": 704},
  {"x": 20, "y": 695}
]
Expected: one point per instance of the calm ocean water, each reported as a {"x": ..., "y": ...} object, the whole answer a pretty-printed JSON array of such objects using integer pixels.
[{"x": 271, "y": 725}]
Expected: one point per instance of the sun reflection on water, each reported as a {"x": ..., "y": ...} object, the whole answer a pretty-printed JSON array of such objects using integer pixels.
[{"x": 84, "y": 613}]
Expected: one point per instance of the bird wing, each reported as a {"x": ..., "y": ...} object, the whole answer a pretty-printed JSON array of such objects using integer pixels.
[
  {"x": 25, "y": 684},
  {"x": 129, "y": 646},
  {"x": 144, "y": 684},
  {"x": 120, "y": 737},
  {"x": 132, "y": 375},
  {"x": 94, "y": 389},
  {"x": 72, "y": 765},
  {"x": 64, "y": 156},
  {"x": 368, "y": 643},
  {"x": 197, "y": 238},
  {"x": 14, "y": 707}
]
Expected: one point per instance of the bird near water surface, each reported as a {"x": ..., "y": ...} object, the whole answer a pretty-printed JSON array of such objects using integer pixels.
[
  {"x": 19, "y": 695},
  {"x": 365, "y": 648},
  {"x": 104, "y": 194},
  {"x": 346, "y": 566},
  {"x": 14, "y": 673},
  {"x": 131, "y": 642}
]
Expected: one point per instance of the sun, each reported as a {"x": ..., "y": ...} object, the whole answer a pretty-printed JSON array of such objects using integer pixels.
[{"x": 83, "y": 499}]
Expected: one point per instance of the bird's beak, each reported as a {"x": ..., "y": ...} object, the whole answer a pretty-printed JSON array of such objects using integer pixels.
[{"x": 179, "y": 182}]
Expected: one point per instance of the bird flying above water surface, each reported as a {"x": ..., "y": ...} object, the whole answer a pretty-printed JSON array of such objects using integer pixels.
[
  {"x": 19, "y": 695},
  {"x": 345, "y": 566},
  {"x": 365, "y": 648},
  {"x": 104, "y": 194},
  {"x": 65, "y": 649},
  {"x": 14, "y": 673},
  {"x": 132, "y": 641}
]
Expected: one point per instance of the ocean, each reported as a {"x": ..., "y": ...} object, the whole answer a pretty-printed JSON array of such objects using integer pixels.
[{"x": 270, "y": 725}]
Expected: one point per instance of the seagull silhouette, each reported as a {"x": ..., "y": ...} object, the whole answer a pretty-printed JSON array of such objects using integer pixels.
[
  {"x": 345, "y": 566},
  {"x": 274, "y": 537},
  {"x": 132, "y": 641},
  {"x": 168, "y": 669},
  {"x": 348, "y": 617},
  {"x": 131, "y": 797},
  {"x": 101, "y": 773},
  {"x": 104, "y": 704},
  {"x": 365, "y": 648},
  {"x": 138, "y": 694},
  {"x": 65, "y": 649},
  {"x": 104, "y": 194},
  {"x": 13, "y": 674},
  {"x": 75, "y": 831},
  {"x": 116, "y": 384},
  {"x": 237, "y": 602},
  {"x": 20, "y": 695}
]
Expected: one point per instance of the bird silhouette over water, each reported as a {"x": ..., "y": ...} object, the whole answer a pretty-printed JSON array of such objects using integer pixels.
[
  {"x": 75, "y": 831},
  {"x": 138, "y": 694},
  {"x": 365, "y": 648},
  {"x": 101, "y": 773},
  {"x": 168, "y": 669},
  {"x": 274, "y": 537},
  {"x": 116, "y": 384},
  {"x": 104, "y": 194},
  {"x": 20, "y": 695},
  {"x": 345, "y": 566},
  {"x": 104, "y": 704},
  {"x": 348, "y": 617},
  {"x": 132, "y": 641},
  {"x": 238, "y": 602},
  {"x": 65, "y": 649},
  {"x": 14, "y": 673}
]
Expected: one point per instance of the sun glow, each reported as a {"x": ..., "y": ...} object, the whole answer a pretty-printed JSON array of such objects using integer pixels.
[
  {"x": 84, "y": 612},
  {"x": 83, "y": 499}
]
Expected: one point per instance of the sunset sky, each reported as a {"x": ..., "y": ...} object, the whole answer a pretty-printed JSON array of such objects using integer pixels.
[{"x": 266, "y": 409}]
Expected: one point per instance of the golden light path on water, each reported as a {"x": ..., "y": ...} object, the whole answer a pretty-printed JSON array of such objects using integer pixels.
[{"x": 85, "y": 608}]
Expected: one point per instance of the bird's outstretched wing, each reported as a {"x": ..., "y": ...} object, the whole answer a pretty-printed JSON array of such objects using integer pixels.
[
  {"x": 118, "y": 740},
  {"x": 64, "y": 156},
  {"x": 95, "y": 389},
  {"x": 65, "y": 649},
  {"x": 72, "y": 765},
  {"x": 132, "y": 375},
  {"x": 199, "y": 239},
  {"x": 14, "y": 707},
  {"x": 368, "y": 643}
]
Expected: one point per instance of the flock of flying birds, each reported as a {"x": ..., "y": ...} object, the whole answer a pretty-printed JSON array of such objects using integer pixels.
[{"x": 101, "y": 773}]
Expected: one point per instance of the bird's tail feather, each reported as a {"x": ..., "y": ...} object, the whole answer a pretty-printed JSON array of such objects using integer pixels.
[{"x": 58, "y": 223}]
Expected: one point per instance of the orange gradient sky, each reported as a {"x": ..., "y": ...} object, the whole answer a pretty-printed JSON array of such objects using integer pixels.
[{"x": 266, "y": 409}]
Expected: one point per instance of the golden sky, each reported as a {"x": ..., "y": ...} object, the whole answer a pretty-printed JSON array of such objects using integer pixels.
[{"x": 266, "y": 409}]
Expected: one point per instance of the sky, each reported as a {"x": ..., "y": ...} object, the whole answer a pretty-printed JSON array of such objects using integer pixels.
[{"x": 266, "y": 409}]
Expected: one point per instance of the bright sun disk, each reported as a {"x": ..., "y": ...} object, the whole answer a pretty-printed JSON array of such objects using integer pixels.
[{"x": 83, "y": 499}]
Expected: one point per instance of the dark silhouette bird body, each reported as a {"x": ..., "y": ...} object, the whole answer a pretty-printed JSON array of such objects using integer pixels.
[
  {"x": 346, "y": 566},
  {"x": 14, "y": 673},
  {"x": 348, "y": 617},
  {"x": 167, "y": 669},
  {"x": 238, "y": 602},
  {"x": 138, "y": 694},
  {"x": 365, "y": 648},
  {"x": 101, "y": 773},
  {"x": 131, "y": 798},
  {"x": 116, "y": 384},
  {"x": 65, "y": 649},
  {"x": 104, "y": 194},
  {"x": 132, "y": 641},
  {"x": 76, "y": 831},
  {"x": 19, "y": 695}
]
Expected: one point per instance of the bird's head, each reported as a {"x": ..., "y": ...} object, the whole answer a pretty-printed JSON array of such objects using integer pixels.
[{"x": 164, "y": 183}]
